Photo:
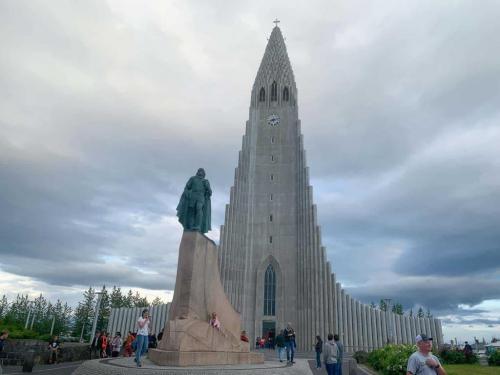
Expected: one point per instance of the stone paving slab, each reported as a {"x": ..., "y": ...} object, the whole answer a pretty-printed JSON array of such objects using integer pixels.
[{"x": 126, "y": 366}]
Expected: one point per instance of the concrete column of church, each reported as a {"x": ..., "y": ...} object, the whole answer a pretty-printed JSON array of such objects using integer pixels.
[
  {"x": 398, "y": 328},
  {"x": 331, "y": 303},
  {"x": 327, "y": 295},
  {"x": 354, "y": 324},
  {"x": 369, "y": 326},
  {"x": 301, "y": 260},
  {"x": 361, "y": 327},
  {"x": 428, "y": 326},
  {"x": 239, "y": 258},
  {"x": 433, "y": 332},
  {"x": 349, "y": 322},
  {"x": 300, "y": 246},
  {"x": 439, "y": 332},
  {"x": 326, "y": 281},
  {"x": 409, "y": 336},
  {"x": 310, "y": 262},
  {"x": 379, "y": 329},
  {"x": 418, "y": 326},
  {"x": 383, "y": 320},
  {"x": 404, "y": 330},
  {"x": 374, "y": 328},
  {"x": 358, "y": 341},
  {"x": 413, "y": 329},
  {"x": 230, "y": 245},
  {"x": 340, "y": 316},
  {"x": 345, "y": 338},
  {"x": 318, "y": 275},
  {"x": 364, "y": 323}
]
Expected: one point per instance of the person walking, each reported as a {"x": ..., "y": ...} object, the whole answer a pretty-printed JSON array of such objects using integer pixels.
[
  {"x": 289, "y": 334},
  {"x": 330, "y": 355},
  {"x": 340, "y": 354},
  {"x": 319, "y": 349},
  {"x": 280, "y": 344},
  {"x": 142, "y": 336}
]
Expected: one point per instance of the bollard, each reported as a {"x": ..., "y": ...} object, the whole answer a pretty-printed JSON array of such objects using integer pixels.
[{"x": 29, "y": 361}]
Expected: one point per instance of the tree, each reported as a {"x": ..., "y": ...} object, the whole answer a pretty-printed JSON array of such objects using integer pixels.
[
  {"x": 84, "y": 314},
  {"x": 428, "y": 313},
  {"x": 117, "y": 299},
  {"x": 104, "y": 310},
  {"x": 410, "y": 313},
  {"x": 157, "y": 301},
  {"x": 140, "y": 301},
  {"x": 397, "y": 308},
  {"x": 18, "y": 311},
  {"x": 382, "y": 305},
  {"x": 372, "y": 305},
  {"x": 420, "y": 312},
  {"x": 4, "y": 306}
]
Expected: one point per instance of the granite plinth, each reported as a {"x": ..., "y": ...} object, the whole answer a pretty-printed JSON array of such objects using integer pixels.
[
  {"x": 183, "y": 359},
  {"x": 188, "y": 338}
]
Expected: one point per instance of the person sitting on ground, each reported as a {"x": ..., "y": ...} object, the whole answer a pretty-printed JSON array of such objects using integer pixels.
[
  {"x": 243, "y": 336},
  {"x": 214, "y": 321},
  {"x": 53, "y": 349}
]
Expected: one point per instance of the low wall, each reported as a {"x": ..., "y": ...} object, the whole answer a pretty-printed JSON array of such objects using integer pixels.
[{"x": 15, "y": 349}]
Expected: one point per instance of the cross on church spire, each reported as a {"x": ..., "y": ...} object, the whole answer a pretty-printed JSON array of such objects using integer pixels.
[{"x": 276, "y": 21}]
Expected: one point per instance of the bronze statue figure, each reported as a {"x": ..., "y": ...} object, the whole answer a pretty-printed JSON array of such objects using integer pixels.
[{"x": 194, "y": 209}]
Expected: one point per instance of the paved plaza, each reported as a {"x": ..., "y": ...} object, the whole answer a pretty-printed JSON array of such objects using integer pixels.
[{"x": 126, "y": 366}]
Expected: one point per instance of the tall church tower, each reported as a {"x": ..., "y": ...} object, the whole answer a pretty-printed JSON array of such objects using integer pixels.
[{"x": 273, "y": 265}]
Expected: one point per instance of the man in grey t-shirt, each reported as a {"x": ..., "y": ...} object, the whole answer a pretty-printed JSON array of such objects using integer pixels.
[{"x": 424, "y": 362}]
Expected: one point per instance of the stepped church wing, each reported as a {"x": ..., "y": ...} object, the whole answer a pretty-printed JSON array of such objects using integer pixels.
[{"x": 272, "y": 262}]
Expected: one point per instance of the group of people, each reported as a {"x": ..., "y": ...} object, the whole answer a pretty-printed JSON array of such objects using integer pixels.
[
  {"x": 333, "y": 352},
  {"x": 104, "y": 346}
]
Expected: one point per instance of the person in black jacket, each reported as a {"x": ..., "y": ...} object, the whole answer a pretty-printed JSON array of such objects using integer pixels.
[
  {"x": 289, "y": 334},
  {"x": 319, "y": 349}
]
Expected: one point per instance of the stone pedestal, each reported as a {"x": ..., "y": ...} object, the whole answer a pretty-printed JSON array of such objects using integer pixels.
[{"x": 189, "y": 339}]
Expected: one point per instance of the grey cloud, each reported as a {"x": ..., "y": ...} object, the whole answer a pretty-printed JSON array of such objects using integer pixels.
[{"x": 102, "y": 122}]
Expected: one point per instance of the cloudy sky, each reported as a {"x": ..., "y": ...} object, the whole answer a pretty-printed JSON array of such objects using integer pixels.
[{"x": 107, "y": 107}]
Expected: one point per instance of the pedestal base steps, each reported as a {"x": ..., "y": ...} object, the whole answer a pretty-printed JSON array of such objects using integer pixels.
[{"x": 126, "y": 366}]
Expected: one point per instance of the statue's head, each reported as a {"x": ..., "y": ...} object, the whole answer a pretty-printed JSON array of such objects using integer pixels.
[{"x": 201, "y": 173}]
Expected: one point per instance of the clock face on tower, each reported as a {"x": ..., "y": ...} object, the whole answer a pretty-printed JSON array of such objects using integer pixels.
[{"x": 273, "y": 120}]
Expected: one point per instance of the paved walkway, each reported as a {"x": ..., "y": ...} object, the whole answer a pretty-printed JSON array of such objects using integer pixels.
[{"x": 126, "y": 366}]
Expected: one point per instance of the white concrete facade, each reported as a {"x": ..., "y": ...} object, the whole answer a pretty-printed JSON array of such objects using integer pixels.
[{"x": 271, "y": 226}]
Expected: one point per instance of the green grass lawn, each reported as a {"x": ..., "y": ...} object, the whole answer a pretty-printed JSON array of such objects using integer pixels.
[{"x": 472, "y": 370}]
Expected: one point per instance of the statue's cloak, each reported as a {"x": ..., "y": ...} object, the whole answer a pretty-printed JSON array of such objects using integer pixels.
[{"x": 188, "y": 197}]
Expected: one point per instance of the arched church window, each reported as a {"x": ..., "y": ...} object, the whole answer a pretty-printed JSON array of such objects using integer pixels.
[
  {"x": 274, "y": 92},
  {"x": 286, "y": 94},
  {"x": 262, "y": 95},
  {"x": 270, "y": 292}
]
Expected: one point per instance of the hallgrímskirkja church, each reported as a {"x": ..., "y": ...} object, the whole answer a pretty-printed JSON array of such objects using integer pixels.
[{"x": 272, "y": 262}]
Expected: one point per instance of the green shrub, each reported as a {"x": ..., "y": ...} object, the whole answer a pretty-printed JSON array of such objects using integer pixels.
[
  {"x": 361, "y": 356},
  {"x": 494, "y": 359},
  {"x": 456, "y": 357},
  {"x": 392, "y": 359}
]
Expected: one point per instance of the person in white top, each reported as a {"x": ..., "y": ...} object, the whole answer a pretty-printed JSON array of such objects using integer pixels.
[{"x": 142, "y": 336}]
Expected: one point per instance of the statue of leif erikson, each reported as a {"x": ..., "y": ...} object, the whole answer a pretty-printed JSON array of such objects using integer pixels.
[{"x": 194, "y": 210}]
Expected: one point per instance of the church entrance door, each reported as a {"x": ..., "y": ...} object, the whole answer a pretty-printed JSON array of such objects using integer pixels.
[{"x": 269, "y": 332}]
